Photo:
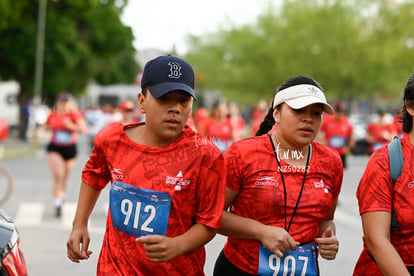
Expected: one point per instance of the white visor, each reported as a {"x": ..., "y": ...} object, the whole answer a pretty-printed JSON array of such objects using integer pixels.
[{"x": 302, "y": 95}]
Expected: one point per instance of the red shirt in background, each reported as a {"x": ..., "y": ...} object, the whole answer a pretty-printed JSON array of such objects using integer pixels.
[
  {"x": 382, "y": 134},
  {"x": 62, "y": 136},
  {"x": 220, "y": 133},
  {"x": 337, "y": 132}
]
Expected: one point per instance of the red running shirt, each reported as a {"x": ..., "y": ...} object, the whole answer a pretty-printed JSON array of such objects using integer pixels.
[
  {"x": 375, "y": 193},
  {"x": 200, "y": 198},
  {"x": 337, "y": 133},
  {"x": 377, "y": 131},
  {"x": 220, "y": 133},
  {"x": 252, "y": 171},
  {"x": 62, "y": 136}
]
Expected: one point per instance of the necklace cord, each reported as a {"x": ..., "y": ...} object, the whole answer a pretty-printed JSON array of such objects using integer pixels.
[{"x": 287, "y": 227}]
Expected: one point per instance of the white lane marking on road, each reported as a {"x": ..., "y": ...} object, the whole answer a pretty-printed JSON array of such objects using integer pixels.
[
  {"x": 29, "y": 213},
  {"x": 68, "y": 213},
  {"x": 32, "y": 214}
]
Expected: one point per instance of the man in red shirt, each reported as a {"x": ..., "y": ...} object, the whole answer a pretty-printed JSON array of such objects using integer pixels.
[
  {"x": 338, "y": 132},
  {"x": 167, "y": 183},
  {"x": 381, "y": 132}
]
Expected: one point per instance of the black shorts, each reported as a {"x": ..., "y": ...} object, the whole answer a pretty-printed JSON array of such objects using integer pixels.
[
  {"x": 224, "y": 267},
  {"x": 67, "y": 152},
  {"x": 344, "y": 163}
]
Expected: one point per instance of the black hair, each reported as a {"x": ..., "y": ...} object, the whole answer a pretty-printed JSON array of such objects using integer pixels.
[
  {"x": 269, "y": 121},
  {"x": 407, "y": 119},
  {"x": 216, "y": 104}
]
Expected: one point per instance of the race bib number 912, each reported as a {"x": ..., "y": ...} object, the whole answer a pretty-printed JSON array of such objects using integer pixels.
[
  {"x": 301, "y": 262},
  {"x": 137, "y": 211}
]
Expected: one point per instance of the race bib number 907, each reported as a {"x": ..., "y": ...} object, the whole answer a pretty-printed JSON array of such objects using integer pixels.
[
  {"x": 137, "y": 211},
  {"x": 301, "y": 262}
]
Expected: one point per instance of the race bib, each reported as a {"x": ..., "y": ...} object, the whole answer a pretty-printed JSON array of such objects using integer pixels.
[
  {"x": 63, "y": 137},
  {"x": 221, "y": 144},
  {"x": 137, "y": 211},
  {"x": 301, "y": 262},
  {"x": 337, "y": 142}
]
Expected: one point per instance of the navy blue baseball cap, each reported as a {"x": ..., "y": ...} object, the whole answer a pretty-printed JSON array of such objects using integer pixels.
[
  {"x": 168, "y": 73},
  {"x": 64, "y": 97}
]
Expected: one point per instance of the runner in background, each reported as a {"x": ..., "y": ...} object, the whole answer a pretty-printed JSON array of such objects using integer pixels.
[
  {"x": 166, "y": 183},
  {"x": 237, "y": 122},
  {"x": 112, "y": 113},
  {"x": 282, "y": 190},
  {"x": 127, "y": 112},
  {"x": 218, "y": 127},
  {"x": 4, "y": 134},
  {"x": 65, "y": 121},
  {"x": 320, "y": 138},
  {"x": 381, "y": 132},
  {"x": 200, "y": 115},
  {"x": 258, "y": 115},
  {"x": 4, "y": 129},
  {"x": 338, "y": 132},
  {"x": 96, "y": 121}
]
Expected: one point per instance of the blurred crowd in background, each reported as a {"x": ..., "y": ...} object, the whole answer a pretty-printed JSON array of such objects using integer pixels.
[{"x": 225, "y": 122}]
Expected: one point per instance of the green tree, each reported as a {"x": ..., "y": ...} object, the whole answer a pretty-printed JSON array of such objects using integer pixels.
[
  {"x": 355, "y": 49},
  {"x": 85, "y": 40}
]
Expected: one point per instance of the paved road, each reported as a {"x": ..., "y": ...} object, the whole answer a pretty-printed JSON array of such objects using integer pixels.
[{"x": 43, "y": 237}]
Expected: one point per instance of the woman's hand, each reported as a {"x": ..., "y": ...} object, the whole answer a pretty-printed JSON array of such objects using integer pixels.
[
  {"x": 328, "y": 245},
  {"x": 277, "y": 240}
]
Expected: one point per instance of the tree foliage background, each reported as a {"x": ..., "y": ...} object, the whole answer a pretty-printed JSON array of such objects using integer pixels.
[
  {"x": 357, "y": 49},
  {"x": 85, "y": 40}
]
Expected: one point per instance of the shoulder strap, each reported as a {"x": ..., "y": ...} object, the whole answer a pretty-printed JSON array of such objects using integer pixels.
[
  {"x": 396, "y": 163},
  {"x": 396, "y": 158}
]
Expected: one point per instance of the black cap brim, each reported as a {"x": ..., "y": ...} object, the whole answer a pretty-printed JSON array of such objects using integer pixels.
[{"x": 160, "y": 89}]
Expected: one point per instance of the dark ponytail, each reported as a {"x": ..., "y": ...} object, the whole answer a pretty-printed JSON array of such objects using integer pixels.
[{"x": 269, "y": 121}]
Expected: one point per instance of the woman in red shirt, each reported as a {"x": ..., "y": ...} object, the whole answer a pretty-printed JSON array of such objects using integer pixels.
[
  {"x": 64, "y": 122},
  {"x": 386, "y": 251},
  {"x": 282, "y": 190},
  {"x": 337, "y": 132}
]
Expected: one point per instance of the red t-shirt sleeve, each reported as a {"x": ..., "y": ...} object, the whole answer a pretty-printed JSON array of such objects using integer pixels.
[
  {"x": 233, "y": 164},
  {"x": 96, "y": 172},
  {"x": 375, "y": 187},
  {"x": 211, "y": 192},
  {"x": 76, "y": 115}
]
